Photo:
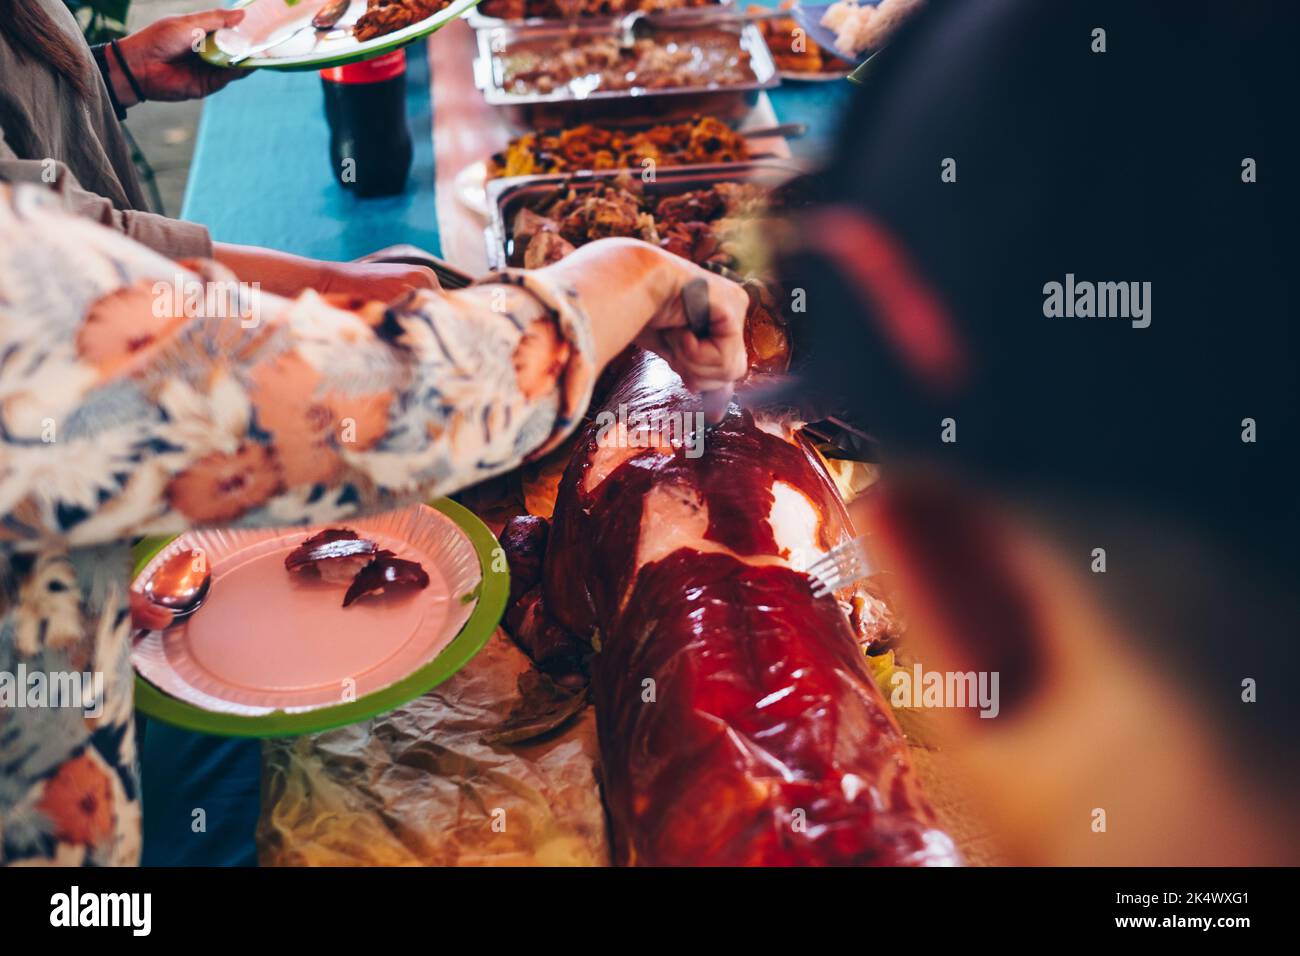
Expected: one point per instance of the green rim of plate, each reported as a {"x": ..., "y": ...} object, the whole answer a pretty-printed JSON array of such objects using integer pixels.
[
  {"x": 211, "y": 54},
  {"x": 492, "y": 592}
]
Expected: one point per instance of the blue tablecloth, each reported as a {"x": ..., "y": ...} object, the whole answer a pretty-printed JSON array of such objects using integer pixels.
[
  {"x": 262, "y": 172},
  {"x": 261, "y": 176}
]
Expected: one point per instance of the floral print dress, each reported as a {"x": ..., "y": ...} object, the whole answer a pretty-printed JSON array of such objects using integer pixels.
[{"x": 142, "y": 396}]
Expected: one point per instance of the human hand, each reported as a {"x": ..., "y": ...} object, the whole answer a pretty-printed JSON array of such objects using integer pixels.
[
  {"x": 714, "y": 363},
  {"x": 633, "y": 293},
  {"x": 162, "y": 58}
]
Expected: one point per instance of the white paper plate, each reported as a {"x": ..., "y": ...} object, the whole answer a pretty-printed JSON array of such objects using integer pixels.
[
  {"x": 267, "y": 641},
  {"x": 268, "y": 21}
]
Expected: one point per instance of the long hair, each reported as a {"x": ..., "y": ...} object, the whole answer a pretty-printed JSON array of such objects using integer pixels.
[{"x": 31, "y": 31}]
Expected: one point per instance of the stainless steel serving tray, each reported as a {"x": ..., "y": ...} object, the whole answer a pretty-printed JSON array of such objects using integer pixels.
[
  {"x": 481, "y": 21},
  {"x": 563, "y": 108},
  {"x": 507, "y": 196}
]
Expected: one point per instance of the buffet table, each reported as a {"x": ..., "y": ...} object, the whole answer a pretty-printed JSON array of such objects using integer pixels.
[
  {"x": 261, "y": 173},
  {"x": 261, "y": 176}
]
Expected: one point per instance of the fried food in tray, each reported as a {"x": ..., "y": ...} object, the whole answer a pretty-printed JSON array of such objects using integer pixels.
[
  {"x": 795, "y": 52},
  {"x": 568, "y": 9},
  {"x": 702, "y": 140},
  {"x": 387, "y": 16},
  {"x": 709, "y": 226},
  {"x": 670, "y": 59}
]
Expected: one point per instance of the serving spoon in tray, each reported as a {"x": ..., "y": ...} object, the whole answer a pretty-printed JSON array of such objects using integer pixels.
[{"x": 639, "y": 25}]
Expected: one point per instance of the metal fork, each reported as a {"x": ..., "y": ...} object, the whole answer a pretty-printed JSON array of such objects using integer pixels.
[{"x": 842, "y": 565}]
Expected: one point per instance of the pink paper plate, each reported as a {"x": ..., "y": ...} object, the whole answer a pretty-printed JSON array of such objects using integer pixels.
[{"x": 267, "y": 641}]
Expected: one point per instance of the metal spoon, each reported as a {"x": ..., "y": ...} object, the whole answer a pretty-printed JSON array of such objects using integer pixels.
[
  {"x": 324, "y": 19},
  {"x": 180, "y": 584},
  {"x": 330, "y": 14}
]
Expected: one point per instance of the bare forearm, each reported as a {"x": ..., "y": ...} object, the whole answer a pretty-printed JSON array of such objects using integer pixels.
[
  {"x": 281, "y": 273},
  {"x": 286, "y": 274},
  {"x": 622, "y": 285}
]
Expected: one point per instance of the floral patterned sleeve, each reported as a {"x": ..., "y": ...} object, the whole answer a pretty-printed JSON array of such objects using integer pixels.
[{"x": 138, "y": 396}]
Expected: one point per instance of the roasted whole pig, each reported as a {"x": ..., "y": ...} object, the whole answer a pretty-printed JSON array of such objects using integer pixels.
[{"x": 737, "y": 719}]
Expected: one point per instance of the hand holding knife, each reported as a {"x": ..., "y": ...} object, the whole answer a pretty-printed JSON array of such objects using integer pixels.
[{"x": 695, "y": 303}]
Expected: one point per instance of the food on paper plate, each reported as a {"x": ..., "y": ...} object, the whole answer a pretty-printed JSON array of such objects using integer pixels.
[
  {"x": 860, "y": 27},
  {"x": 341, "y": 556},
  {"x": 671, "y": 58},
  {"x": 567, "y": 9},
  {"x": 700, "y": 140},
  {"x": 335, "y": 555},
  {"x": 387, "y": 572},
  {"x": 388, "y": 16},
  {"x": 801, "y": 56}
]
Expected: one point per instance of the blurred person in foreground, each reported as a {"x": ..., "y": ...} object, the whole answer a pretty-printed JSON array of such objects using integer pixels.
[
  {"x": 61, "y": 111},
  {"x": 1101, "y": 509}
]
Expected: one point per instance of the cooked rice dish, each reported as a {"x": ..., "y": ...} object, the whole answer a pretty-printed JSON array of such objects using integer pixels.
[{"x": 858, "y": 28}]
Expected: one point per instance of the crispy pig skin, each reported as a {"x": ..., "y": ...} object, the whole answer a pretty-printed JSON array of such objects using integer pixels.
[
  {"x": 523, "y": 540},
  {"x": 386, "y": 572},
  {"x": 767, "y": 742},
  {"x": 332, "y": 544}
]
